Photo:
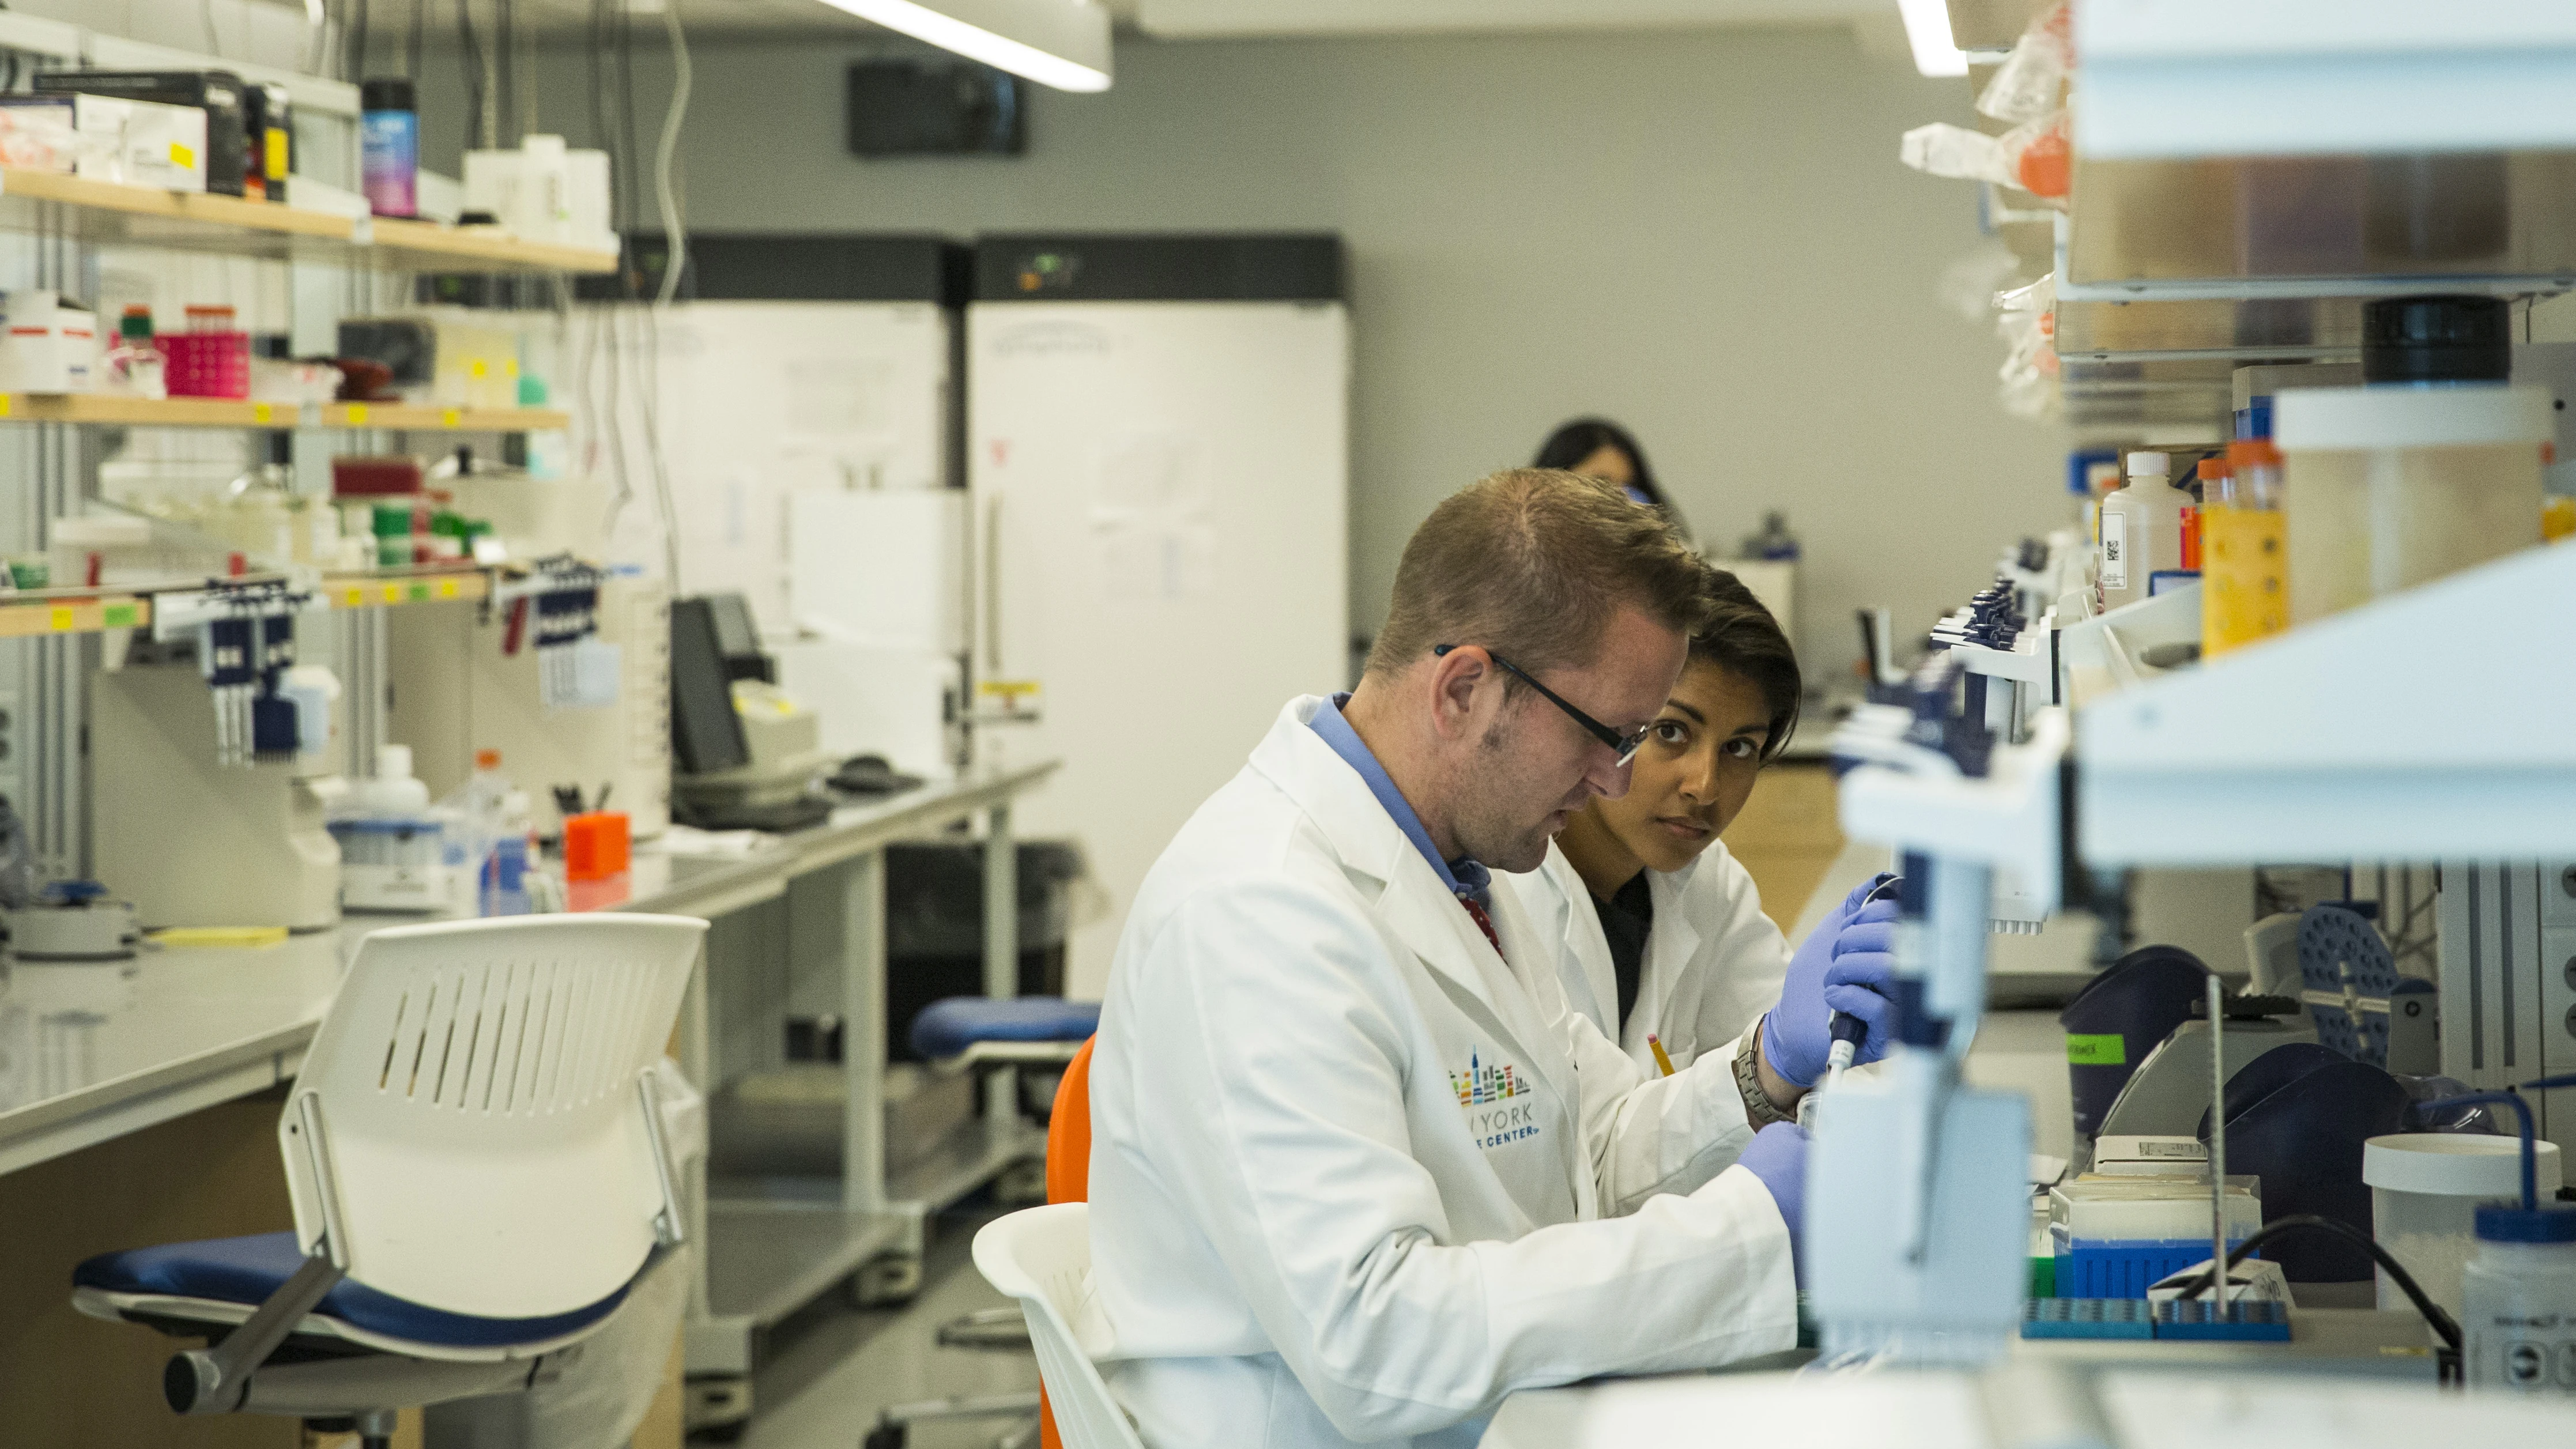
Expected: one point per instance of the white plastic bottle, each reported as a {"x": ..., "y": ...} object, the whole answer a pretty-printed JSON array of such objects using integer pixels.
[
  {"x": 2518, "y": 1297},
  {"x": 2141, "y": 530},
  {"x": 392, "y": 790}
]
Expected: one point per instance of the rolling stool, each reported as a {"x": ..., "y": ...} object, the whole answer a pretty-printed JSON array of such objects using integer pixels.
[{"x": 967, "y": 1033}]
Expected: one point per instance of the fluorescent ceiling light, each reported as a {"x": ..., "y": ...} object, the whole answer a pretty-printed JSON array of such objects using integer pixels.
[
  {"x": 1059, "y": 43},
  {"x": 1927, "y": 29}
]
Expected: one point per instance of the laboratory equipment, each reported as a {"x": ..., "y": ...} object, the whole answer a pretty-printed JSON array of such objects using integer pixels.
[
  {"x": 2117, "y": 1019},
  {"x": 748, "y": 754},
  {"x": 2244, "y": 551},
  {"x": 71, "y": 920},
  {"x": 393, "y": 848},
  {"x": 1159, "y": 443},
  {"x": 440, "y": 356},
  {"x": 2432, "y": 466},
  {"x": 471, "y": 682},
  {"x": 2505, "y": 931},
  {"x": 48, "y": 343},
  {"x": 2113, "y": 1238},
  {"x": 111, "y": 138},
  {"x": 210, "y": 359},
  {"x": 2425, "y": 1190},
  {"x": 2304, "y": 1139},
  {"x": 197, "y": 841},
  {"x": 2169, "y": 1092}
]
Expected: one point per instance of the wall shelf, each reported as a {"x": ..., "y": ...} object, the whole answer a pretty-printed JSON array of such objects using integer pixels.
[
  {"x": 385, "y": 588},
  {"x": 205, "y": 412},
  {"x": 113, "y": 214},
  {"x": 63, "y": 611}
]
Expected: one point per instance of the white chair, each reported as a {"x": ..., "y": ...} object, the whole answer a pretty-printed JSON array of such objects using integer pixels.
[
  {"x": 476, "y": 1161},
  {"x": 1042, "y": 1257}
]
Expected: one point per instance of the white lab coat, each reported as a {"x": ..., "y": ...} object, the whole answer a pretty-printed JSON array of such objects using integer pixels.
[
  {"x": 1713, "y": 965},
  {"x": 1354, "y": 1179}
]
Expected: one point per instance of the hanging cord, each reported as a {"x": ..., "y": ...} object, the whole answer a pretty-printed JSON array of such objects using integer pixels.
[
  {"x": 675, "y": 232},
  {"x": 353, "y": 37},
  {"x": 214, "y": 42},
  {"x": 474, "y": 75},
  {"x": 2443, "y": 1325},
  {"x": 416, "y": 46}
]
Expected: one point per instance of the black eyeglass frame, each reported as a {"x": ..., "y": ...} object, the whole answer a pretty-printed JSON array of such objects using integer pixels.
[{"x": 1624, "y": 746}]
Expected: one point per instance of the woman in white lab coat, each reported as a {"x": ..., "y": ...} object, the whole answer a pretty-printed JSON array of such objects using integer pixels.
[{"x": 1663, "y": 931}]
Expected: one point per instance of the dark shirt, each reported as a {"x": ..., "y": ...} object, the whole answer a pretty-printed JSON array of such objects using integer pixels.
[{"x": 1626, "y": 918}]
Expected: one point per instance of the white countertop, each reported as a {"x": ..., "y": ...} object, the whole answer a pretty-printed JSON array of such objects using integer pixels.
[{"x": 93, "y": 1050}]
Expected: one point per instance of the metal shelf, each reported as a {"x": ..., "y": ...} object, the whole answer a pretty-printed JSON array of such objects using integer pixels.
[
  {"x": 113, "y": 214},
  {"x": 204, "y": 412}
]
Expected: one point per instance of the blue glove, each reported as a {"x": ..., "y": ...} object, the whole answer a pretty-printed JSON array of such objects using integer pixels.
[
  {"x": 1845, "y": 966},
  {"x": 1778, "y": 1156},
  {"x": 1860, "y": 894}
]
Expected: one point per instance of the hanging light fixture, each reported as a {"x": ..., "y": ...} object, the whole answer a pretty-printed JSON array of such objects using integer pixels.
[{"x": 1059, "y": 43}]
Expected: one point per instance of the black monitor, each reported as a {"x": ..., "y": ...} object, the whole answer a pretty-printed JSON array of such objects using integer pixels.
[
  {"x": 738, "y": 639},
  {"x": 706, "y": 734}
]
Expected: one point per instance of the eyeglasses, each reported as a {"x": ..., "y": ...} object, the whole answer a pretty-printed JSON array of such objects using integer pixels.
[{"x": 1624, "y": 746}]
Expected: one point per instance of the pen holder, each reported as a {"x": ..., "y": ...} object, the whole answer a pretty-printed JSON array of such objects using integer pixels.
[{"x": 596, "y": 845}]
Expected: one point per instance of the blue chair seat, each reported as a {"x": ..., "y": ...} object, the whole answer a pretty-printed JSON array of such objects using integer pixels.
[
  {"x": 947, "y": 1028},
  {"x": 248, "y": 1270}
]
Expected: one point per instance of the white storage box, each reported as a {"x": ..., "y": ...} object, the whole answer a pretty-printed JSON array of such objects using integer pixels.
[
  {"x": 46, "y": 343},
  {"x": 139, "y": 143}
]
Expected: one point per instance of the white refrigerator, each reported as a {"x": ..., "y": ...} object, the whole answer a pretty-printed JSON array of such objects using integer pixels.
[{"x": 1158, "y": 449}]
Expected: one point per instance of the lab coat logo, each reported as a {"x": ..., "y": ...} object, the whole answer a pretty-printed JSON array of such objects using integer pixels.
[{"x": 1486, "y": 1091}]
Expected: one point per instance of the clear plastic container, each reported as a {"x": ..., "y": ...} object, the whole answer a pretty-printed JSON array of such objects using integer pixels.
[
  {"x": 2519, "y": 1293},
  {"x": 2425, "y": 1190}
]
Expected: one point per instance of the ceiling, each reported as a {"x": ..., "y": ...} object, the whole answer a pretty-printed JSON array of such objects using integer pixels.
[{"x": 1208, "y": 19}]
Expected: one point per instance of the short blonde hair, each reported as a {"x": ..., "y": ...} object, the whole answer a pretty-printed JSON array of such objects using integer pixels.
[{"x": 1533, "y": 563}]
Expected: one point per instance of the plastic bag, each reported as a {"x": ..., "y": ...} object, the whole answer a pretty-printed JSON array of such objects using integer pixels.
[
  {"x": 2026, "y": 319},
  {"x": 2032, "y": 81},
  {"x": 2035, "y": 156}
]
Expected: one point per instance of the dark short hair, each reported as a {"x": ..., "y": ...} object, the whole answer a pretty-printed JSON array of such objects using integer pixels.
[
  {"x": 1742, "y": 636},
  {"x": 1532, "y": 564},
  {"x": 1583, "y": 437}
]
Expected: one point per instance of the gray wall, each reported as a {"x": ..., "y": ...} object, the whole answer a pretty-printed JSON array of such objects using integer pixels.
[{"x": 1706, "y": 235}]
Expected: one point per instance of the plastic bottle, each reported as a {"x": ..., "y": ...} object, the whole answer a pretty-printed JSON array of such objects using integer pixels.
[
  {"x": 2245, "y": 551},
  {"x": 389, "y": 147},
  {"x": 392, "y": 790},
  {"x": 134, "y": 366},
  {"x": 392, "y": 525},
  {"x": 2141, "y": 530},
  {"x": 2519, "y": 1295},
  {"x": 2213, "y": 475}
]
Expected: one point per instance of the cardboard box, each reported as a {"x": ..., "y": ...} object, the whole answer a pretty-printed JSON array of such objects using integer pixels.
[{"x": 46, "y": 344}]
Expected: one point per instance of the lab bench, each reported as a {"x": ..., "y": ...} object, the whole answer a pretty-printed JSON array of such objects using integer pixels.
[{"x": 90, "y": 1052}]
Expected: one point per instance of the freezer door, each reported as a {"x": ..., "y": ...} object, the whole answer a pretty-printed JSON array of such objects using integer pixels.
[{"x": 1162, "y": 495}]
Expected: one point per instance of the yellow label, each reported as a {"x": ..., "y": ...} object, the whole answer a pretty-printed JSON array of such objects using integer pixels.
[
  {"x": 1011, "y": 689},
  {"x": 183, "y": 156},
  {"x": 447, "y": 588},
  {"x": 4, "y": 404},
  {"x": 120, "y": 616},
  {"x": 393, "y": 593},
  {"x": 261, "y": 412},
  {"x": 60, "y": 619},
  {"x": 510, "y": 368},
  {"x": 2244, "y": 571},
  {"x": 450, "y": 418},
  {"x": 477, "y": 369},
  {"x": 355, "y": 598},
  {"x": 357, "y": 415},
  {"x": 277, "y": 153}
]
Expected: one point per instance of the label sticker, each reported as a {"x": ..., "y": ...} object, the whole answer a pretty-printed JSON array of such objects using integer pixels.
[
  {"x": 477, "y": 368},
  {"x": 60, "y": 619},
  {"x": 419, "y": 594},
  {"x": 183, "y": 156},
  {"x": 393, "y": 593},
  {"x": 261, "y": 412},
  {"x": 357, "y": 415},
  {"x": 355, "y": 598},
  {"x": 2108, "y": 1049},
  {"x": 450, "y": 418},
  {"x": 120, "y": 616},
  {"x": 447, "y": 588},
  {"x": 2115, "y": 550},
  {"x": 277, "y": 153}
]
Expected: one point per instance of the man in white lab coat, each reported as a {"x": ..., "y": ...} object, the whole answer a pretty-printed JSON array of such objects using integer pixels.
[{"x": 1357, "y": 1171}]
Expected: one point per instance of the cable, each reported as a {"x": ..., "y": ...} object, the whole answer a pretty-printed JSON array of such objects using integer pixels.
[
  {"x": 415, "y": 47},
  {"x": 675, "y": 233},
  {"x": 2444, "y": 1326},
  {"x": 214, "y": 42},
  {"x": 473, "y": 61}
]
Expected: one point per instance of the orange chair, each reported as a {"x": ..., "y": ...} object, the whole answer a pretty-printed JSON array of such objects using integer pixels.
[{"x": 1068, "y": 1173}]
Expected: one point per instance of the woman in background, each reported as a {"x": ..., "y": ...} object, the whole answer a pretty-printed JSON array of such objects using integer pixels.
[
  {"x": 1599, "y": 448},
  {"x": 1663, "y": 932}
]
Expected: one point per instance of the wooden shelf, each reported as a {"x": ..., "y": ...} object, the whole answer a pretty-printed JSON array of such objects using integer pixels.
[
  {"x": 48, "y": 612},
  {"x": 376, "y": 589},
  {"x": 110, "y": 213},
  {"x": 206, "y": 412}
]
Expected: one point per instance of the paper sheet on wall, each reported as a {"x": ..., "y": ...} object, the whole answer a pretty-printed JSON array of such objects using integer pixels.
[{"x": 1149, "y": 519}]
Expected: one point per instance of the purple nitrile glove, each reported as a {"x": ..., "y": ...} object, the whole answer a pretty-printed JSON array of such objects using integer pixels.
[
  {"x": 1778, "y": 1156},
  {"x": 1842, "y": 966},
  {"x": 1860, "y": 894}
]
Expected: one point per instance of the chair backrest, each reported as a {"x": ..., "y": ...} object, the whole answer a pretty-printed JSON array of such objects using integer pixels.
[
  {"x": 485, "y": 1142},
  {"x": 1068, "y": 1152},
  {"x": 1042, "y": 1257}
]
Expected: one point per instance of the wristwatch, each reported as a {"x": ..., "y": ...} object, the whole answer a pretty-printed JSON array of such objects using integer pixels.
[{"x": 1748, "y": 1080}]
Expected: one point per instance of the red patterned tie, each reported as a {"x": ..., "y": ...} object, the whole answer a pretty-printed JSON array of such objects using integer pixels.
[{"x": 1484, "y": 923}]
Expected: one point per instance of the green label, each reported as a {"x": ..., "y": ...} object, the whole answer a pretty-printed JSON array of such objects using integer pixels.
[
  {"x": 2109, "y": 1050},
  {"x": 420, "y": 593},
  {"x": 119, "y": 616}
]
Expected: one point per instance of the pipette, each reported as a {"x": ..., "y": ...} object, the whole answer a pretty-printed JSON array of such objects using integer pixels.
[{"x": 1847, "y": 1031}]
